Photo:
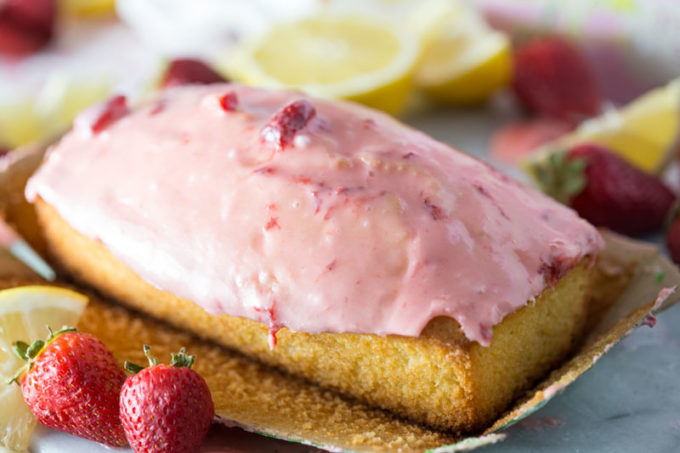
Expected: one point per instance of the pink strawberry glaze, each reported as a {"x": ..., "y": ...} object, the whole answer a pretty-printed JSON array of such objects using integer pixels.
[{"x": 360, "y": 225}]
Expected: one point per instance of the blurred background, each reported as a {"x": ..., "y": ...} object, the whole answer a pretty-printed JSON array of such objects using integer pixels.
[
  {"x": 512, "y": 81},
  {"x": 59, "y": 56}
]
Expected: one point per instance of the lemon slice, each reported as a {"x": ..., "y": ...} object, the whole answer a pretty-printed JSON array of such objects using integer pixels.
[
  {"x": 645, "y": 132},
  {"x": 361, "y": 59},
  {"x": 24, "y": 314},
  {"x": 464, "y": 61}
]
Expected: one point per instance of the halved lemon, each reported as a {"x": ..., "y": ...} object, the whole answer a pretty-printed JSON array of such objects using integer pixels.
[
  {"x": 25, "y": 313},
  {"x": 463, "y": 60},
  {"x": 358, "y": 58},
  {"x": 645, "y": 132}
]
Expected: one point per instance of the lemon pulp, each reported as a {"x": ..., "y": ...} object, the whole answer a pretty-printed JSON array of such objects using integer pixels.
[{"x": 355, "y": 58}]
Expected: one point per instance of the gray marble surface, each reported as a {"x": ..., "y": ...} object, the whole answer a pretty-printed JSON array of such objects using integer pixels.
[{"x": 629, "y": 401}]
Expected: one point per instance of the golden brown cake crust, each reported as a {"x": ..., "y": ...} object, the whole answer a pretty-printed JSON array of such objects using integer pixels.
[{"x": 439, "y": 378}]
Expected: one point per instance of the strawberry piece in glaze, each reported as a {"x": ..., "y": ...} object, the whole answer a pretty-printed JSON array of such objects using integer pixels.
[
  {"x": 285, "y": 124},
  {"x": 229, "y": 101},
  {"x": 100, "y": 116}
]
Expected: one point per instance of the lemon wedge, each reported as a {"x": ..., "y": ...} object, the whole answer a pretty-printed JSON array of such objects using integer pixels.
[
  {"x": 463, "y": 61},
  {"x": 645, "y": 132},
  {"x": 24, "y": 314},
  {"x": 358, "y": 58}
]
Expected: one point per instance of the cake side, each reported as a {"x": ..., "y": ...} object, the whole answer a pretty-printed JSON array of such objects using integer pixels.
[
  {"x": 440, "y": 378},
  {"x": 530, "y": 343}
]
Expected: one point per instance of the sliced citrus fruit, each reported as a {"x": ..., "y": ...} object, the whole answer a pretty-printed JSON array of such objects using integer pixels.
[
  {"x": 25, "y": 312},
  {"x": 361, "y": 59},
  {"x": 463, "y": 61},
  {"x": 645, "y": 132}
]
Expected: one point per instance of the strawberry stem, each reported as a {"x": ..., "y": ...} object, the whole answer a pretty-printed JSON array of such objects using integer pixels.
[
  {"x": 153, "y": 361},
  {"x": 15, "y": 379},
  {"x": 134, "y": 368},
  {"x": 181, "y": 359},
  {"x": 64, "y": 329}
]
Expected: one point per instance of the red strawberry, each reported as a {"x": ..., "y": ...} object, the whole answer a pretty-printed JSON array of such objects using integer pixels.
[
  {"x": 25, "y": 25},
  {"x": 165, "y": 408},
  {"x": 186, "y": 71},
  {"x": 72, "y": 384},
  {"x": 552, "y": 79},
  {"x": 606, "y": 190},
  {"x": 98, "y": 117}
]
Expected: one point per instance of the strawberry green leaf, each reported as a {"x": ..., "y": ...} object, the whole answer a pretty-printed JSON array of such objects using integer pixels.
[
  {"x": 34, "y": 349},
  {"x": 132, "y": 367},
  {"x": 560, "y": 177},
  {"x": 20, "y": 348}
]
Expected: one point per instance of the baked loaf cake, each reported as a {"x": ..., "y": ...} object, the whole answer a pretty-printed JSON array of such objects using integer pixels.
[{"x": 323, "y": 238}]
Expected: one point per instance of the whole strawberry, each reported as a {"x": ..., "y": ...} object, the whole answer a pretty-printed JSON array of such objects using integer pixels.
[
  {"x": 552, "y": 79},
  {"x": 25, "y": 25},
  {"x": 606, "y": 190},
  {"x": 165, "y": 408},
  {"x": 187, "y": 71},
  {"x": 72, "y": 384}
]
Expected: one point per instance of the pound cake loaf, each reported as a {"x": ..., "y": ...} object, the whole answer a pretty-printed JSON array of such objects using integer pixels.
[{"x": 323, "y": 238}]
